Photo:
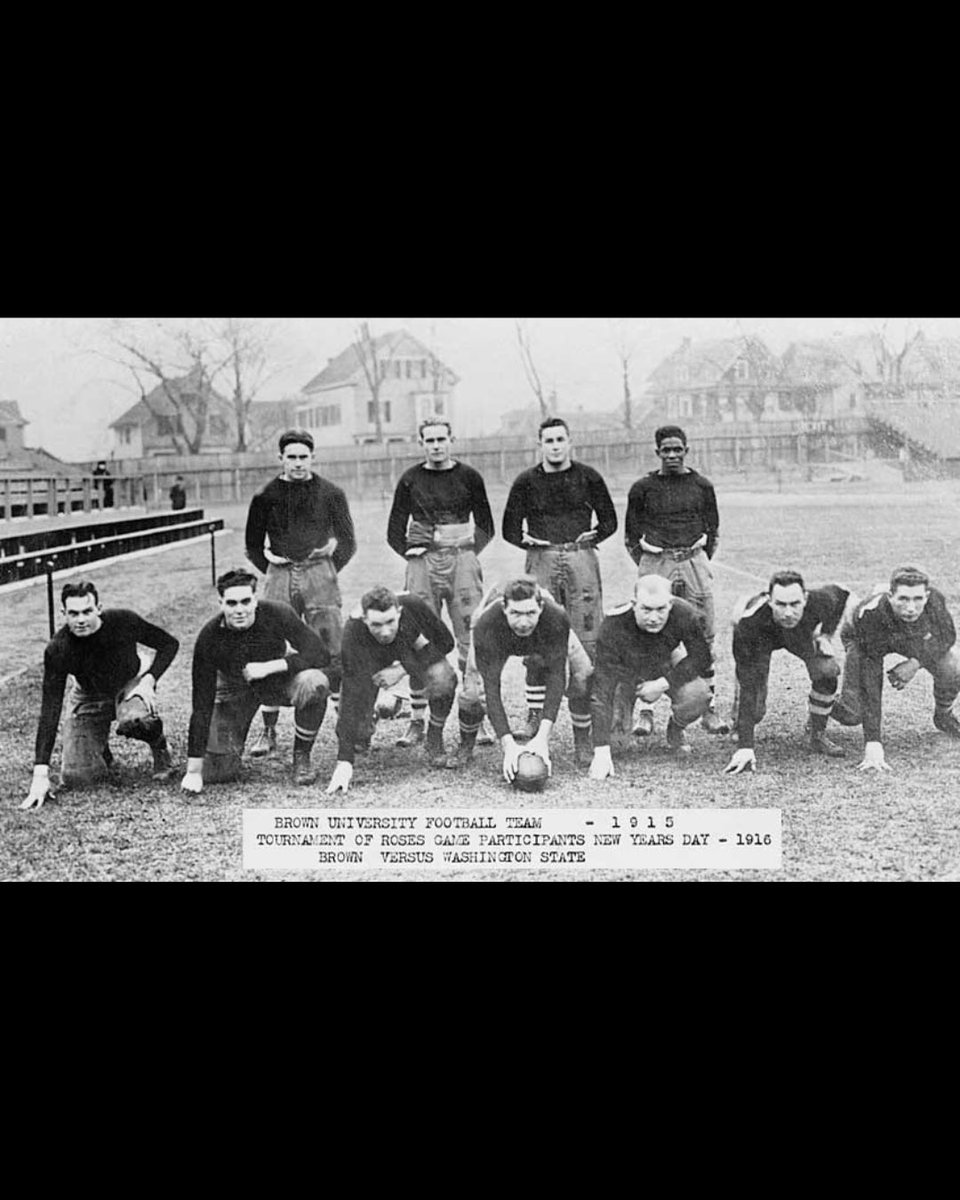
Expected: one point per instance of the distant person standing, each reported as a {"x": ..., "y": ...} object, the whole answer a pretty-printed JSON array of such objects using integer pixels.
[
  {"x": 178, "y": 495},
  {"x": 430, "y": 527},
  {"x": 300, "y": 535},
  {"x": 559, "y": 512},
  {"x": 104, "y": 484},
  {"x": 671, "y": 529}
]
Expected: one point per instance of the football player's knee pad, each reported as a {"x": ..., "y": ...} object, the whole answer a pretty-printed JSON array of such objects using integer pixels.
[
  {"x": 308, "y": 686},
  {"x": 691, "y": 700},
  {"x": 440, "y": 679},
  {"x": 827, "y": 670}
]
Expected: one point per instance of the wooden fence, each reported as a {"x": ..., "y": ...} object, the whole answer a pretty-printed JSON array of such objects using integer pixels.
[{"x": 373, "y": 471}]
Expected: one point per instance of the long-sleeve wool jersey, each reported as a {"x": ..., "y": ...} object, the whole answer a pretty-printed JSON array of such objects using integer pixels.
[
  {"x": 671, "y": 511},
  {"x": 494, "y": 642},
  {"x": 756, "y": 635},
  {"x": 299, "y": 516},
  {"x": 221, "y": 649},
  {"x": 445, "y": 497},
  {"x": 559, "y": 505},
  {"x": 102, "y": 664},
  {"x": 362, "y": 656},
  {"x": 628, "y": 654},
  {"x": 877, "y": 631}
]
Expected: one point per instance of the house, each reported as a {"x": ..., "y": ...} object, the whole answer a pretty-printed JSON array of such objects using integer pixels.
[
  {"x": 156, "y": 425},
  {"x": 12, "y": 426},
  {"x": 267, "y": 419},
  {"x": 15, "y": 457},
  {"x": 830, "y": 377},
  {"x": 729, "y": 379},
  {"x": 848, "y": 375},
  {"x": 338, "y": 407}
]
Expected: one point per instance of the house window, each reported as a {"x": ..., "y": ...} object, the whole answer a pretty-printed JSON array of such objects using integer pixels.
[
  {"x": 438, "y": 406},
  {"x": 386, "y": 411},
  {"x": 743, "y": 369},
  {"x": 168, "y": 426},
  {"x": 3, "y": 433},
  {"x": 423, "y": 368},
  {"x": 218, "y": 426},
  {"x": 398, "y": 369}
]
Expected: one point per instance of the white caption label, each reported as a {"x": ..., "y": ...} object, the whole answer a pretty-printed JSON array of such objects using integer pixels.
[{"x": 580, "y": 839}]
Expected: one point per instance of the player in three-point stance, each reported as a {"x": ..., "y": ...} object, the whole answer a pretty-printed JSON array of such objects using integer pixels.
[
  {"x": 98, "y": 647},
  {"x": 389, "y": 636},
  {"x": 786, "y": 617},
  {"x": 654, "y": 647},
  {"x": 520, "y": 620},
  {"x": 672, "y": 528},
  {"x": 439, "y": 523},
  {"x": 559, "y": 512},
  {"x": 300, "y": 535},
  {"x": 911, "y": 619},
  {"x": 253, "y": 653}
]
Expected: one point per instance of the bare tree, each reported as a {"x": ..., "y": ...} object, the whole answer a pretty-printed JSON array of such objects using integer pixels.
[
  {"x": 182, "y": 360},
  {"x": 529, "y": 366},
  {"x": 245, "y": 354},
  {"x": 374, "y": 363},
  {"x": 890, "y": 360},
  {"x": 625, "y": 340}
]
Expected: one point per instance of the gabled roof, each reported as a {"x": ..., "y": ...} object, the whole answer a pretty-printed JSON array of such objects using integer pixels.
[
  {"x": 936, "y": 360},
  {"x": 158, "y": 404},
  {"x": 347, "y": 367},
  {"x": 708, "y": 361},
  {"x": 10, "y": 413}
]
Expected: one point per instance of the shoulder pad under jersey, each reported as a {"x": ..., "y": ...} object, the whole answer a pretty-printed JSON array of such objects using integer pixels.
[
  {"x": 748, "y": 606},
  {"x": 620, "y": 608}
]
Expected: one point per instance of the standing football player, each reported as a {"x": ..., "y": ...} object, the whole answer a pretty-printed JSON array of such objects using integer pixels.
[
  {"x": 300, "y": 535},
  {"x": 98, "y": 647},
  {"x": 786, "y": 617},
  {"x": 439, "y": 524},
  {"x": 911, "y": 619},
  {"x": 559, "y": 512},
  {"x": 672, "y": 528}
]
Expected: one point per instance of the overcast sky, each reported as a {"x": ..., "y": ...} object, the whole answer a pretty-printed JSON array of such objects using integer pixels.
[{"x": 69, "y": 393}]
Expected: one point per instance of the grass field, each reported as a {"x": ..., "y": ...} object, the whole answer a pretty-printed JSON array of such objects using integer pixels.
[{"x": 837, "y": 823}]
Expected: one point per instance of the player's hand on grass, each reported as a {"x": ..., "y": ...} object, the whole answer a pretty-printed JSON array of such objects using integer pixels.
[
  {"x": 601, "y": 766},
  {"x": 388, "y": 676},
  {"x": 903, "y": 672},
  {"x": 40, "y": 788},
  {"x": 192, "y": 782},
  {"x": 541, "y": 747},
  {"x": 511, "y": 753},
  {"x": 740, "y": 761},
  {"x": 651, "y": 691},
  {"x": 873, "y": 759},
  {"x": 340, "y": 779}
]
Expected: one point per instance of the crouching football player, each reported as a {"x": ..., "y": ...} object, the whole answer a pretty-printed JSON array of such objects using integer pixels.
[
  {"x": 98, "y": 647},
  {"x": 391, "y": 636},
  {"x": 523, "y": 621},
  {"x": 912, "y": 620},
  {"x": 656, "y": 646},
  {"x": 786, "y": 617},
  {"x": 253, "y": 653}
]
